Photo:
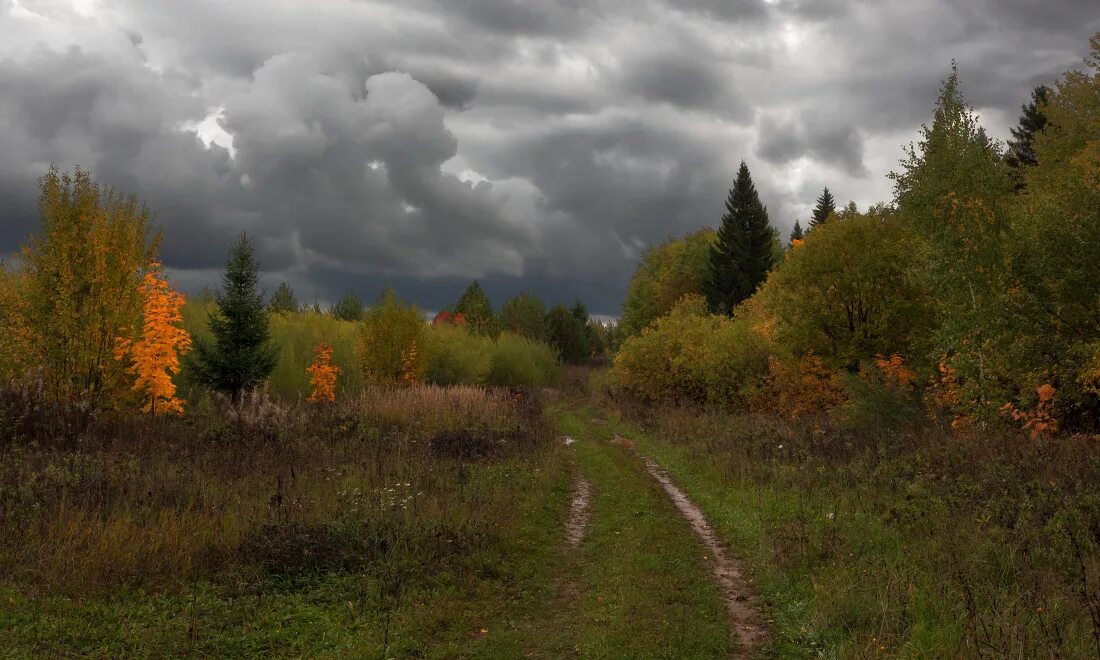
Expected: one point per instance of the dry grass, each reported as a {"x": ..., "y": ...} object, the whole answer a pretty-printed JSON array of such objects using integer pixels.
[{"x": 89, "y": 507}]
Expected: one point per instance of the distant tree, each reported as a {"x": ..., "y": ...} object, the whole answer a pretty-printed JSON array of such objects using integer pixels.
[
  {"x": 742, "y": 255},
  {"x": 155, "y": 356},
  {"x": 348, "y": 308},
  {"x": 1021, "y": 152},
  {"x": 241, "y": 356},
  {"x": 283, "y": 300},
  {"x": 796, "y": 233},
  {"x": 567, "y": 334},
  {"x": 476, "y": 307},
  {"x": 825, "y": 207},
  {"x": 391, "y": 333},
  {"x": 666, "y": 273},
  {"x": 525, "y": 315}
]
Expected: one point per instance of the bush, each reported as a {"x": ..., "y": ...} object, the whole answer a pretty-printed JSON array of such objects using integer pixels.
[
  {"x": 455, "y": 356},
  {"x": 520, "y": 361},
  {"x": 691, "y": 355}
]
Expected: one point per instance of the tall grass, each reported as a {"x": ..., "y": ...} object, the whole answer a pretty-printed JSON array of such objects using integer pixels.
[
  {"x": 137, "y": 502},
  {"x": 902, "y": 540}
]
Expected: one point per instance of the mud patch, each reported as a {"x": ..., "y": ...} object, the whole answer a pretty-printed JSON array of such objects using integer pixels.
[
  {"x": 745, "y": 619},
  {"x": 579, "y": 512}
]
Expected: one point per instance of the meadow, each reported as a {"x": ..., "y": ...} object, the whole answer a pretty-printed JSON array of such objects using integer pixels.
[{"x": 369, "y": 527}]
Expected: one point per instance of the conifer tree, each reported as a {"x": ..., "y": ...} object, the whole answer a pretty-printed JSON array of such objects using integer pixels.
[
  {"x": 348, "y": 308},
  {"x": 1020, "y": 151},
  {"x": 241, "y": 356},
  {"x": 283, "y": 300},
  {"x": 742, "y": 255},
  {"x": 567, "y": 334},
  {"x": 525, "y": 315},
  {"x": 825, "y": 207},
  {"x": 474, "y": 305},
  {"x": 796, "y": 233}
]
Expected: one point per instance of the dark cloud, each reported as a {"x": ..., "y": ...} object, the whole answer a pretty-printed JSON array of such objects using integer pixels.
[{"x": 534, "y": 145}]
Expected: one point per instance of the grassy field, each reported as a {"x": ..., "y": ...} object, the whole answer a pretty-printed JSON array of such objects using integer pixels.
[
  {"x": 431, "y": 522},
  {"x": 897, "y": 542},
  {"x": 398, "y": 522}
]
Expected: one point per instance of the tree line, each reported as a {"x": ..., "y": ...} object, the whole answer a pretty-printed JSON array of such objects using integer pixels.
[{"x": 975, "y": 290}]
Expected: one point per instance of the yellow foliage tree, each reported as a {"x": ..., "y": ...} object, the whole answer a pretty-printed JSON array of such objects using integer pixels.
[
  {"x": 322, "y": 374},
  {"x": 155, "y": 355},
  {"x": 78, "y": 288}
]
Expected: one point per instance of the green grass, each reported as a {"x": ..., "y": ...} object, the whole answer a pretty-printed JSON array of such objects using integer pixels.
[
  {"x": 641, "y": 586},
  {"x": 895, "y": 543}
]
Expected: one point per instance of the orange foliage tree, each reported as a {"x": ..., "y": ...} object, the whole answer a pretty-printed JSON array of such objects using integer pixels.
[
  {"x": 322, "y": 374},
  {"x": 155, "y": 355}
]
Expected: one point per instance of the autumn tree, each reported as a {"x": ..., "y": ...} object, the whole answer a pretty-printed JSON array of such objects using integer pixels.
[
  {"x": 525, "y": 315},
  {"x": 283, "y": 301},
  {"x": 666, "y": 273},
  {"x": 846, "y": 294},
  {"x": 474, "y": 305},
  {"x": 79, "y": 287},
  {"x": 348, "y": 308},
  {"x": 391, "y": 333},
  {"x": 241, "y": 356},
  {"x": 742, "y": 255},
  {"x": 155, "y": 356},
  {"x": 952, "y": 192},
  {"x": 824, "y": 207},
  {"x": 322, "y": 374},
  {"x": 1050, "y": 327}
]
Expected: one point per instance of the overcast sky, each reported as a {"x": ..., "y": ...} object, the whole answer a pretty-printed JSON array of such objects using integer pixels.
[{"x": 534, "y": 144}]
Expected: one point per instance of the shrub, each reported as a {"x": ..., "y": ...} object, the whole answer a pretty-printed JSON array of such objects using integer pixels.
[
  {"x": 667, "y": 360},
  {"x": 454, "y": 356},
  {"x": 519, "y": 361},
  {"x": 390, "y": 333}
]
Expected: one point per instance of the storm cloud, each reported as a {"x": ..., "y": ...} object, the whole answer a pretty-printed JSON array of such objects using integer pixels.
[{"x": 537, "y": 146}]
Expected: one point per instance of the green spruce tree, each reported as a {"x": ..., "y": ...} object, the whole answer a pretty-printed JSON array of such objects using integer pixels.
[
  {"x": 567, "y": 334},
  {"x": 825, "y": 207},
  {"x": 796, "y": 233},
  {"x": 742, "y": 256},
  {"x": 525, "y": 315},
  {"x": 283, "y": 301},
  {"x": 1020, "y": 150},
  {"x": 348, "y": 308},
  {"x": 477, "y": 309},
  {"x": 241, "y": 356}
]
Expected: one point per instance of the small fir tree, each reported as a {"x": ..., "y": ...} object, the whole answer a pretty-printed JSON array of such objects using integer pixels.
[
  {"x": 474, "y": 305},
  {"x": 348, "y": 308},
  {"x": 283, "y": 301},
  {"x": 796, "y": 234},
  {"x": 241, "y": 356}
]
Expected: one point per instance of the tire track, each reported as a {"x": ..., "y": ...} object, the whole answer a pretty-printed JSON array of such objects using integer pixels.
[{"x": 744, "y": 617}]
